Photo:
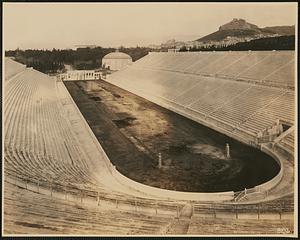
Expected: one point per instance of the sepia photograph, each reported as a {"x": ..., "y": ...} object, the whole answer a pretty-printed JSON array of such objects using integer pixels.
[{"x": 149, "y": 119}]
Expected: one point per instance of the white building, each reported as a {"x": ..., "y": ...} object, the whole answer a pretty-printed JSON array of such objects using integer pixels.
[
  {"x": 116, "y": 61},
  {"x": 80, "y": 75}
]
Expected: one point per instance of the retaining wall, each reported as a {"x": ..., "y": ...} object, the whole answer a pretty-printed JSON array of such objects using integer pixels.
[{"x": 169, "y": 194}]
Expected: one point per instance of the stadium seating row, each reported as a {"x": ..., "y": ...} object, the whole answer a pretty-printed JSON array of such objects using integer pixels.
[
  {"x": 55, "y": 216},
  {"x": 58, "y": 216},
  {"x": 215, "y": 226},
  {"x": 37, "y": 137},
  {"x": 266, "y": 67},
  {"x": 250, "y": 107},
  {"x": 288, "y": 142},
  {"x": 281, "y": 205},
  {"x": 46, "y": 141},
  {"x": 41, "y": 144},
  {"x": 14, "y": 68}
]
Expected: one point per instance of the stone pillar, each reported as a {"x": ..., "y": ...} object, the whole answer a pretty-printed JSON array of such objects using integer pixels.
[
  {"x": 98, "y": 198},
  {"x": 227, "y": 150},
  {"x": 159, "y": 161}
]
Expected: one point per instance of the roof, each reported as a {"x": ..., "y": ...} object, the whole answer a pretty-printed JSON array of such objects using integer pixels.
[{"x": 117, "y": 55}]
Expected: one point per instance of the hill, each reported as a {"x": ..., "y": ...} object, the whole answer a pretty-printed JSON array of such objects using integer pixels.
[
  {"x": 238, "y": 24},
  {"x": 262, "y": 44},
  {"x": 241, "y": 30},
  {"x": 223, "y": 34}
]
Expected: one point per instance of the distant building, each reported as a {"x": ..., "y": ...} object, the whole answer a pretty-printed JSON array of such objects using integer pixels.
[
  {"x": 85, "y": 46},
  {"x": 116, "y": 61}
]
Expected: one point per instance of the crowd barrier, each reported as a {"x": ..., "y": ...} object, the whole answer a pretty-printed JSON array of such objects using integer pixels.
[{"x": 94, "y": 198}]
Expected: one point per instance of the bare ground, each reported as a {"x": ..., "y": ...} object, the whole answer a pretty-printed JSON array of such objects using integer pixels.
[{"x": 133, "y": 131}]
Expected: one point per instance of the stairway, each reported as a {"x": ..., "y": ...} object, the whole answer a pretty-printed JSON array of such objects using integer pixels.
[{"x": 180, "y": 226}]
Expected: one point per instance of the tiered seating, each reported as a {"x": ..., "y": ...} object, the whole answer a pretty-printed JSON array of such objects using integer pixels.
[
  {"x": 252, "y": 109},
  {"x": 281, "y": 205},
  {"x": 265, "y": 67},
  {"x": 47, "y": 145},
  {"x": 288, "y": 142},
  {"x": 214, "y": 226},
  {"x": 226, "y": 60},
  {"x": 284, "y": 75},
  {"x": 268, "y": 66},
  {"x": 45, "y": 140},
  {"x": 281, "y": 108},
  {"x": 38, "y": 140},
  {"x": 204, "y": 87},
  {"x": 244, "y": 105},
  {"x": 230, "y": 218},
  {"x": 218, "y": 97},
  {"x": 202, "y": 62},
  {"x": 55, "y": 216},
  {"x": 13, "y": 68},
  {"x": 248, "y": 60}
]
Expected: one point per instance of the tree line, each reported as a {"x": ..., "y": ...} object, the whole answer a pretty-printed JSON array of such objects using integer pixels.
[{"x": 52, "y": 61}]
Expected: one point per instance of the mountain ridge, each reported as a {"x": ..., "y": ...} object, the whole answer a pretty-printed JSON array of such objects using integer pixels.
[{"x": 240, "y": 28}]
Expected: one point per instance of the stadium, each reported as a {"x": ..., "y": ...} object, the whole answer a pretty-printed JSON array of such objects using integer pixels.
[{"x": 187, "y": 143}]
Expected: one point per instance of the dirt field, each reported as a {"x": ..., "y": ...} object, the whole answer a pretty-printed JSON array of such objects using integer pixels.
[{"x": 133, "y": 131}]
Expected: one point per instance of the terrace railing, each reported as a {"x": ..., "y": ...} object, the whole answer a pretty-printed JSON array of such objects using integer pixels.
[{"x": 94, "y": 197}]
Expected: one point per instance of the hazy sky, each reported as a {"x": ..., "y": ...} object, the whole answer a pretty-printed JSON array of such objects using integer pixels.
[{"x": 63, "y": 25}]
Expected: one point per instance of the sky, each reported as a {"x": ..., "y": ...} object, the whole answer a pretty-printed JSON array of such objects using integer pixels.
[{"x": 64, "y": 25}]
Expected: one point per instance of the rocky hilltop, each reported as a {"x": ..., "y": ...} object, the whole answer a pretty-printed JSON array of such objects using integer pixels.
[
  {"x": 239, "y": 30},
  {"x": 238, "y": 24}
]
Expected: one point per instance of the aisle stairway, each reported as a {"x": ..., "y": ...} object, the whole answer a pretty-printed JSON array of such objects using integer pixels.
[{"x": 180, "y": 225}]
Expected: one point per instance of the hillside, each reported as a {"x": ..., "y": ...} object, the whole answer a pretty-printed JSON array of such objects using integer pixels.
[
  {"x": 281, "y": 30},
  {"x": 262, "y": 44},
  {"x": 240, "y": 29},
  {"x": 223, "y": 34}
]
